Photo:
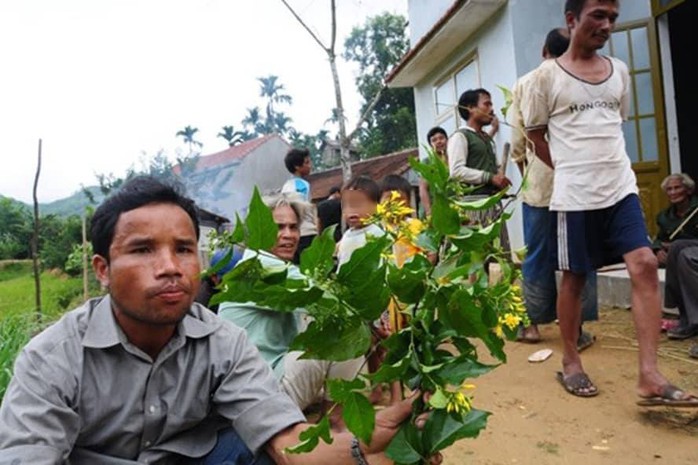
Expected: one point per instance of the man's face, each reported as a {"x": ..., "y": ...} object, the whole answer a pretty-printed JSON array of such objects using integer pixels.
[
  {"x": 356, "y": 207},
  {"x": 153, "y": 273},
  {"x": 306, "y": 167},
  {"x": 595, "y": 23},
  {"x": 483, "y": 111},
  {"x": 439, "y": 142},
  {"x": 289, "y": 234}
]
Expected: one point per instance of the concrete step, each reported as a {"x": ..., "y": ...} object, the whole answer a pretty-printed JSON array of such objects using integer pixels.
[{"x": 614, "y": 288}]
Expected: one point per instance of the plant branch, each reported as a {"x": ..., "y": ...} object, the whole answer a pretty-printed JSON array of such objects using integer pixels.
[
  {"x": 305, "y": 26},
  {"x": 367, "y": 111}
]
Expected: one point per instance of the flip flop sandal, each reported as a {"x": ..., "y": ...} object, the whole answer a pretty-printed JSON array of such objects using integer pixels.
[
  {"x": 586, "y": 340},
  {"x": 540, "y": 355},
  {"x": 671, "y": 396},
  {"x": 693, "y": 351},
  {"x": 578, "y": 384}
]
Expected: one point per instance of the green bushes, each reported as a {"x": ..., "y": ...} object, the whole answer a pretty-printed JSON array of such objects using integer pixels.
[{"x": 18, "y": 318}]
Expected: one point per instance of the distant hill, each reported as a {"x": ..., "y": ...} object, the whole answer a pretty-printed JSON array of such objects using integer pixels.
[{"x": 73, "y": 205}]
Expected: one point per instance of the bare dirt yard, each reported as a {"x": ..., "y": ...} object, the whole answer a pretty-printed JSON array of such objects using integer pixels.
[{"x": 535, "y": 421}]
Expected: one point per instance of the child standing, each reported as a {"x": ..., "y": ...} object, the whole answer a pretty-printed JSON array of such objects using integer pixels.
[
  {"x": 298, "y": 163},
  {"x": 360, "y": 197}
]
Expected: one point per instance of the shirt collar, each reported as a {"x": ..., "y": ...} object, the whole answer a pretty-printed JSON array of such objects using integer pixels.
[{"x": 103, "y": 331}]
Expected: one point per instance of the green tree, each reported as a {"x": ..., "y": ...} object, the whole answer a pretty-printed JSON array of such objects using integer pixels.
[
  {"x": 15, "y": 229},
  {"x": 377, "y": 46},
  {"x": 254, "y": 126},
  {"x": 57, "y": 239},
  {"x": 272, "y": 90},
  {"x": 188, "y": 134},
  {"x": 231, "y": 136}
]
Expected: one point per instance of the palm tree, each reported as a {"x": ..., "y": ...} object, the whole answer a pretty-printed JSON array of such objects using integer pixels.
[
  {"x": 188, "y": 135},
  {"x": 253, "y": 120},
  {"x": 231, "y": 136},
  {"x": 272, "y": 91}
]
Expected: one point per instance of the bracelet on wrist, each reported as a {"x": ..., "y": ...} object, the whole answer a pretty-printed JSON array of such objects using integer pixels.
[{"x": 357, "y": 453}]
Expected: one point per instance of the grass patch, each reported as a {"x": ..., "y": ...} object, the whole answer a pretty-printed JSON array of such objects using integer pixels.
[
  {"x": 18, "y": 320},
  {"x": 549, "y": 447}
]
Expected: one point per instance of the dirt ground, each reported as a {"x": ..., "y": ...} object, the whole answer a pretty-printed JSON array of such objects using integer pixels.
[{"x": 534, "y": 421}]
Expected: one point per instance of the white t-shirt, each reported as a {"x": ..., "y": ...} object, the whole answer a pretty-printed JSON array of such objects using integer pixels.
[
  {"x": 301, "y": 187},
  {"x": 354, "y": 239},
  {"x": 587, "y": 147},
  {"x": 539, "y": 176}
]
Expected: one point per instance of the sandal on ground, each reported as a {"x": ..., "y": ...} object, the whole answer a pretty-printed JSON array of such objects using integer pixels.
[
  {"x": 693, "y": 351},
  {"x": 577, "y": 384},
  {"x": 671, "y": 396},
  {"x": 586, "y": 340},
  {"x": 522, "y": 335}
]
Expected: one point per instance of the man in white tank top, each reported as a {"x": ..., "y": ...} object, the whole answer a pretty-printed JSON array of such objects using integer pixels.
[{"x": 574, "y": 115}]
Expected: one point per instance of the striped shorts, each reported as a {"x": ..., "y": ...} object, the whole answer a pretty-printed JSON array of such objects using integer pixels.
[{"x": 584, "y": 241}]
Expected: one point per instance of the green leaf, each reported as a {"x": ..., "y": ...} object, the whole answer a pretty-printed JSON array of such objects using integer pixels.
[
  {"x": 357, "y": 411},
  {"x": 463, "y": 315},
  {"x": 508, "y": 99},
  {"x": 406, "y": 446},
  {"x": 310, "y": 438},
  {"x": 409, "y": 282},
  {"x": 433, "y": 170},
  {"x": 238, "y": 235},
  {"x": 442, "y": 429},
  {"x": 438, "y": 399},
  {"x": 444, "y": 217},
  {"x": 261, "y": 228},
  {"x": 334, "y": 342},
  {"x": 464, "y": 367},
  {"x": 341, "y": 389},
  {"x": 317, "y": 260},
  {"x": 363, "y": 262},
  {"x": 359, "y": 416},
  {"x": 482, "y": 204},
  {"x": 369, "y": 298}
]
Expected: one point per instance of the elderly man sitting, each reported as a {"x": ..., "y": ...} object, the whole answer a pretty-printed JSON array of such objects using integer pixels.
[{"x": 272, "y": 332}]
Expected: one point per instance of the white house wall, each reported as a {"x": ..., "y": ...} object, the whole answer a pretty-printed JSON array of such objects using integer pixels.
[
  {"x": 423, "y": 14},
  {"x": 226, "y": 190},
  {"x": 508, "y": 45},
  {"x": 496, "y": 66}
]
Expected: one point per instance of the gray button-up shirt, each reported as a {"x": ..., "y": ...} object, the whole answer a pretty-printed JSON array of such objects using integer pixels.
[{"x": 81, "y": 392}]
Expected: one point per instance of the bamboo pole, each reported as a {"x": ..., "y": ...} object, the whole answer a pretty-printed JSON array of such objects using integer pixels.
[{"x": 35, "y": 240}]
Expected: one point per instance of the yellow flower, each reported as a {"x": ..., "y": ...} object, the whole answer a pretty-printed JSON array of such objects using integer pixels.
[
  {"x": 415, "y": 226},
  {"x": 458, "y": 402},
  {"x": 511, "y": 320},
  {"x": 381, "y": 209}
]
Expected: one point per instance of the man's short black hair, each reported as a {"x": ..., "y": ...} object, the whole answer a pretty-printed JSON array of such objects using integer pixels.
[
  {"x": 135, "y": 193},
  {"x": 469, "y": 98},
  {"x": 434, "y": 131},
  {"x": 556, "y": 42},
  {"x": 295, "y": 158},
  {"x": 364, "y": 184},
  {"x": 335, "y": 190},
  {"x": 395, "y": 182},
  {"x": 576, "y": 6}
]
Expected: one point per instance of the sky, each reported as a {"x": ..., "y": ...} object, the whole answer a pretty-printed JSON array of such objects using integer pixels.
[{"x": 105, "y": 84}]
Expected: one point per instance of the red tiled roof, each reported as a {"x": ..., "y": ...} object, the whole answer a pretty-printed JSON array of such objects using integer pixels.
[
  {"x": 377, "y": 168},
  {"x": 236, "y": 152}
]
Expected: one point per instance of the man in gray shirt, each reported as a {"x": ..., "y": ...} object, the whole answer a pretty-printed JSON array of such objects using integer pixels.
[{"x": 144, "y": 375}]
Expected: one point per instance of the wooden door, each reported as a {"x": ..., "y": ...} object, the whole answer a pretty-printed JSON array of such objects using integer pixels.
[{"x": 645, "y": 129}]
